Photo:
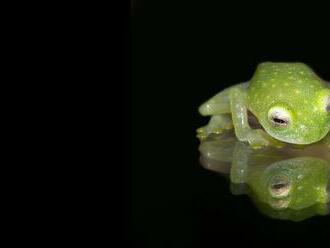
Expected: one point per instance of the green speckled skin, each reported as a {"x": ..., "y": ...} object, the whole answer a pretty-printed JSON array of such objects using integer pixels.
[
  {"x": 308, "y": 178},
  {"x": 299, "y": 90},
  {"x": 290, "y": 102}
]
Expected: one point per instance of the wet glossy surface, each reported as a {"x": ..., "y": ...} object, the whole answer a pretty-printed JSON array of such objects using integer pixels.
[
  {"x": 184, "y": 52},
  {"x": 291, "y": 183}
]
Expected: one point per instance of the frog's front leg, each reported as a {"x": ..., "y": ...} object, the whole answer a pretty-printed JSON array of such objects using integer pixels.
[{"x": 243, "y": 131}]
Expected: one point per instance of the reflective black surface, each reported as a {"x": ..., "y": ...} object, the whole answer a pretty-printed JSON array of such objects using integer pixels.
[
  {"x": 183, "y": 54},
  {"x": 288, "y": 183}
]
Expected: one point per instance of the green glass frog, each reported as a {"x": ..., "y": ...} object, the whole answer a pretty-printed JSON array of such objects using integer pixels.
[{"x": 291, "y": 103}]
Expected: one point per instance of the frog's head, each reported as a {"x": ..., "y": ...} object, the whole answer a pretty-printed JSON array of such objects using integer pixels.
[
  {"x": 294, "y": 183},
  {"x": 291, "y": 102},
  {"x": 302, "y": 119}
]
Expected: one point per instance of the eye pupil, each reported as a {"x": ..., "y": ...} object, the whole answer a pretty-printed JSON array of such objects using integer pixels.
[
  {"x": 278, "y": 186},
  {"x": 280, "y": 121}
]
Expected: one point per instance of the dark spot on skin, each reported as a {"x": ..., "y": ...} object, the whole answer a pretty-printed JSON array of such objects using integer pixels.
[{"x": 328, "y": 105}]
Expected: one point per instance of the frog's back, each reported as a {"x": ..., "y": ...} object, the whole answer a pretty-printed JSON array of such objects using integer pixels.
[{"x": 279, "y": 82}]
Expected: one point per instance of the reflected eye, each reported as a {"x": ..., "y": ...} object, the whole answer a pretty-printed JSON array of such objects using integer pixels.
[
  {"x": 279, "y": 117},
  {"x": 279, "y": 187}
]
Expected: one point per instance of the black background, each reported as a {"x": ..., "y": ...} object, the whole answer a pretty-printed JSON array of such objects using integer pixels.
[{"x": 182, "y": 54}]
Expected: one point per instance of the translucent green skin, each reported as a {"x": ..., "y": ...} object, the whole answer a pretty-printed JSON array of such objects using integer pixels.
[
  {"x": 308, "y": 179},
  {"x": 291, "y": 214},
  {"x": 296, "y": 88}
]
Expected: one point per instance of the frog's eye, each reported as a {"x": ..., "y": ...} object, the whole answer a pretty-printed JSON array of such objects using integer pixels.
[
  {"x": 279, "y": 117},
  {"x": 327, "y": 106},
  {"x": 279, "y": 187}
]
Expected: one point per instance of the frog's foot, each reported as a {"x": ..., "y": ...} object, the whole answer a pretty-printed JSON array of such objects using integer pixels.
[
  {"x": 257, "y": 138},
  {"x": 217, "y": 125},
  {"x": 204, "y": 132}
]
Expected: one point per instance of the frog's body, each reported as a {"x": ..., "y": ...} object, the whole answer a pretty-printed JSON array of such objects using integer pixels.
[{"x": 290, "y": 101}]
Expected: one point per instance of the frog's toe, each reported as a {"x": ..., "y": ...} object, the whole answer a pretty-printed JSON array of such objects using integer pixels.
[
  {"x": 201, "y": 133},
  {"x": 201, "y": 136},
  {"x": 205, "y": 132},
  {"x": 200, "y": 130},
  {"x": 258, "y": 139},
  {"x": 258, "y": 144}
]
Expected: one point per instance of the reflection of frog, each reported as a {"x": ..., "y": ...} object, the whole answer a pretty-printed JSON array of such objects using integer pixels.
[
  {"x": 289, "y": 100},
  {"x": 295, "y": 183},
  {"x": 288, "y": 183}
]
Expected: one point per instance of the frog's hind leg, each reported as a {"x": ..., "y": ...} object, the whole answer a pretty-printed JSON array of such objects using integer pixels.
[
  {"x": 218, "y": 107},
  {"x": 218, "y": 104},
  {"x": 216, "y": 125}
]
